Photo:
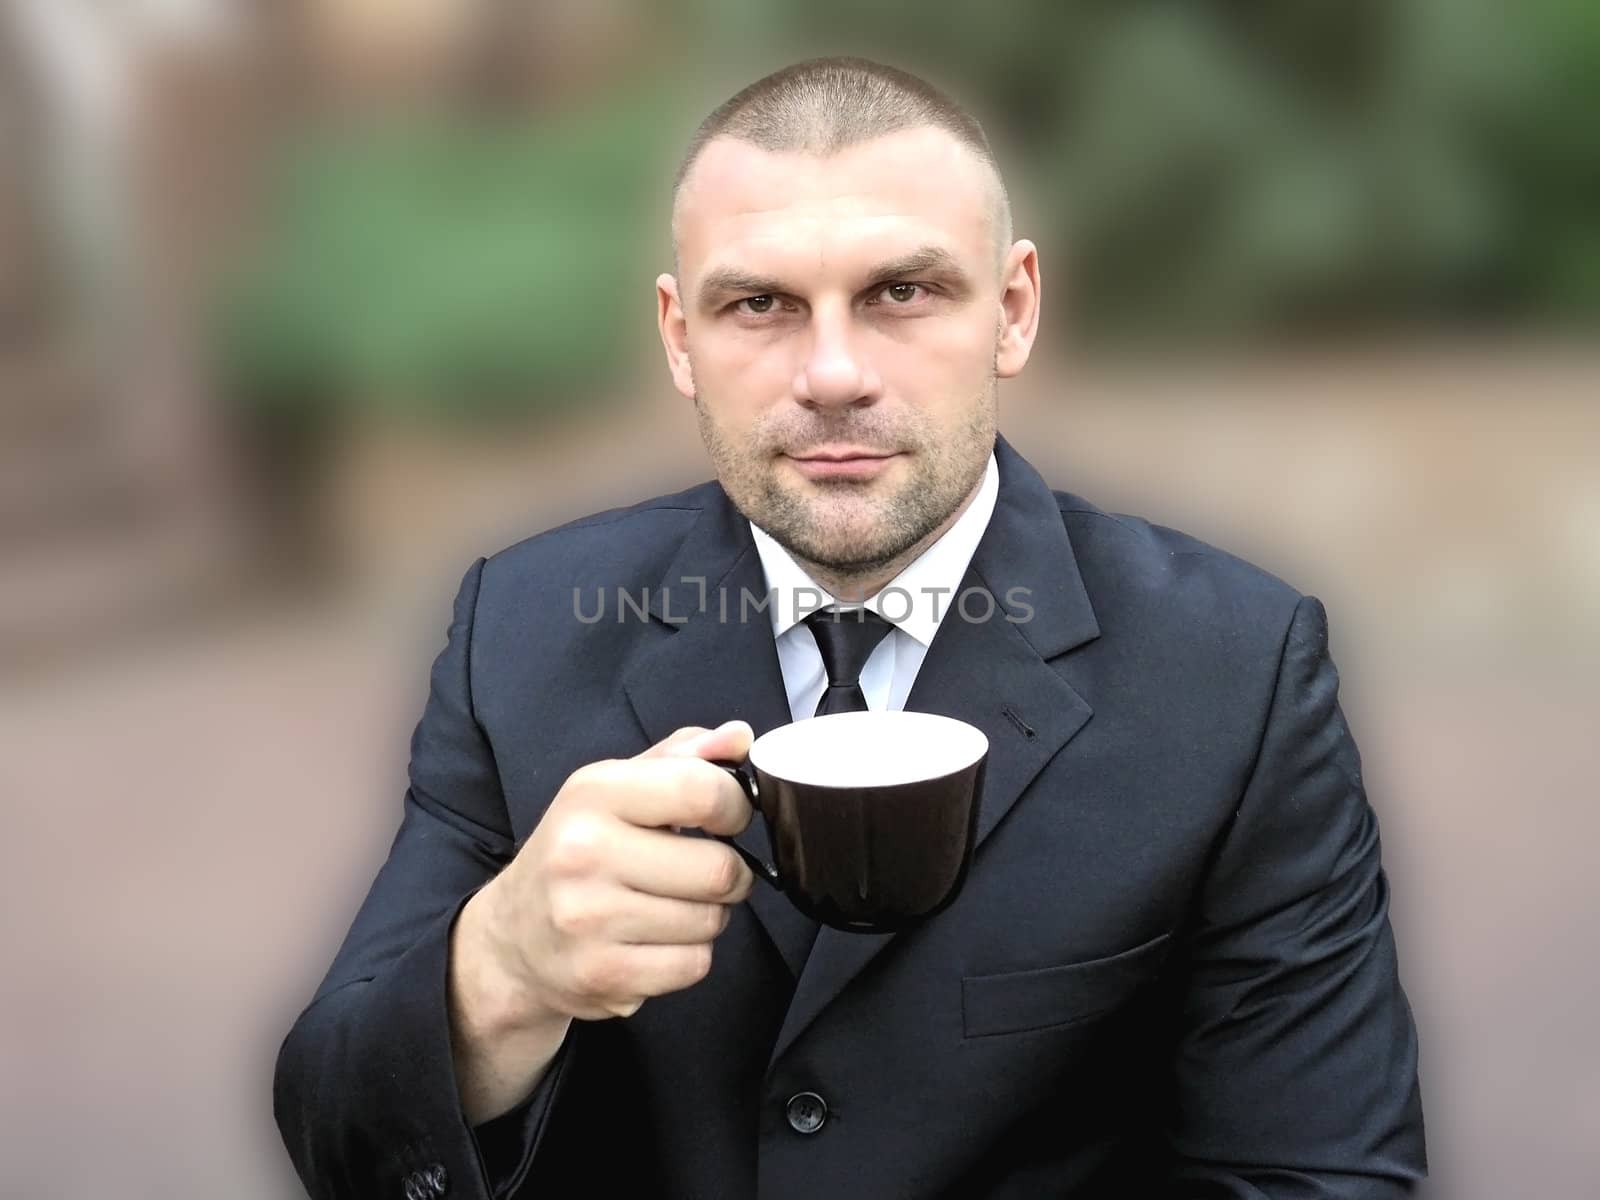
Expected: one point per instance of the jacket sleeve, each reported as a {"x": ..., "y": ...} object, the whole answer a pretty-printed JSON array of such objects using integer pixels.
[
  {"x": 1296, "y": 1067},
  {"x": 365, "y": 1092}
]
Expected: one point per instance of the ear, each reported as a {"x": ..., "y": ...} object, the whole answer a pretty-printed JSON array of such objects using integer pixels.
[
  {"x": 1019, "y": 309},
  {"x": 674, "y": 333}
]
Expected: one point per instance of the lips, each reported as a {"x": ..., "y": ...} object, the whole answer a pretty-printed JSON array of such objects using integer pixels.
[
  {"x": 835, "y": 463},
  {"x": 831, "y": 455}
]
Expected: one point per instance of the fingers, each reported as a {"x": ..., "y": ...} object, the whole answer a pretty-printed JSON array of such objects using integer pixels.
[
  {"x": 668, "y": 791},
  {"x": 603, "y": 907},
  {"x": 681, "y": 868},
  {"x": 618, "y": 979},
  {"x": 674, "y": 742},
  {"x": 622, "y": 916},
  {"x": 729, "y": 741},
  {"x": 656, "y": 788}
]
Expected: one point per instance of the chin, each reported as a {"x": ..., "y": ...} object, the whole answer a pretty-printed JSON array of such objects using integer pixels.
[{"x": 843, "y": 544}]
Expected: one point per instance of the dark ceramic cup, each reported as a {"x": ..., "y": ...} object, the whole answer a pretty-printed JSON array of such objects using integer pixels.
[{"x": 870, "y": 814}]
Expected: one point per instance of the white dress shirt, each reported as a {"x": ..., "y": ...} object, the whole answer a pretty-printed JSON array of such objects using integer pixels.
[{"x": 914, "y": 601}]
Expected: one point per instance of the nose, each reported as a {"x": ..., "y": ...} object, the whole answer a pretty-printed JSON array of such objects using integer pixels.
[{"x": 835, "y": 373}]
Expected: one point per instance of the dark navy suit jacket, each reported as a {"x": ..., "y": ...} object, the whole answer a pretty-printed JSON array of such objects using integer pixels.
[{"x": 1170, "y": 971}]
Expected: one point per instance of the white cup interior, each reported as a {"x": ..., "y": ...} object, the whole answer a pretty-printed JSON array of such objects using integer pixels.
[{"x": 868, "y": 749}]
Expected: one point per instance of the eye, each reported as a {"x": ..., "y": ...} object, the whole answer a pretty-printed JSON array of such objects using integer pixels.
[
  {"x": 757, "y": 305},
  {"x": 899, "y": 293}
]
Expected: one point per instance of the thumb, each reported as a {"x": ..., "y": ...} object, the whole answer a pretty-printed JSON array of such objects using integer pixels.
[
  {"x": 730, "y": 740},
  {"x": 678, "y": 738}
]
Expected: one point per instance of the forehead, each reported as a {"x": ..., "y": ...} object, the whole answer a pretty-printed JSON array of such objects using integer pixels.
[{"x": 795, "y": 210}]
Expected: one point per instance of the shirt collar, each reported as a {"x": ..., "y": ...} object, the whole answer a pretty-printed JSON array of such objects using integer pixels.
[{"x": 914, "y": 600}]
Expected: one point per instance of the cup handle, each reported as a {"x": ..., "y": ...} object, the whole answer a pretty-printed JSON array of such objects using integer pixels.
[{"x": 747, "y": 781}]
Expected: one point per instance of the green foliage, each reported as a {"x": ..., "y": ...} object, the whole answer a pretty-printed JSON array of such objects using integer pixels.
[
  {"x": 455, "y": 270},
  {"x": 1220, "y": 168},
  {"x": 1212, "y": 169}
]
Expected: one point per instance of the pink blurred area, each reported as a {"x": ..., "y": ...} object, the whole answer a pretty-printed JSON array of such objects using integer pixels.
[{"x": 209, "y": 670}]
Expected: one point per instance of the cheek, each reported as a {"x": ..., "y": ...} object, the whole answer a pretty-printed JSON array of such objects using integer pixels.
[
  {"x": 946, "y": 357},
  {"x": 739, "y": 357},
  {"x": 733, "y": 384}
]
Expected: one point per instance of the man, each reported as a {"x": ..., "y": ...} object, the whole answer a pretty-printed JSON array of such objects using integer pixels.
[{"x": 1170, "y": 971}]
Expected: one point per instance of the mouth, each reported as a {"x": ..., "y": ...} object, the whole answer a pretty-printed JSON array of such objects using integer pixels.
[{"x": 841, "y": 462}]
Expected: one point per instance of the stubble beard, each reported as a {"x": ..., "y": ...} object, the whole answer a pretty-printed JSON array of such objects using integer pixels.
[{"x": 844, "y": 529}]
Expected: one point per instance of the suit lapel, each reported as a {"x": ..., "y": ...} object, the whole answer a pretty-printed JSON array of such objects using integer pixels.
[
  {"x": 712, "y": 663},
  {"x": 995, "y": 674}
]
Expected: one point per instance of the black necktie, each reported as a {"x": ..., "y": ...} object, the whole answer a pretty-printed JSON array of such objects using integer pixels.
[{"x": 846, "y": 639}]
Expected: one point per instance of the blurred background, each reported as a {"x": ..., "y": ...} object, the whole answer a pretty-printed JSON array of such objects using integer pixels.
[{"x": 305, "y": 304}]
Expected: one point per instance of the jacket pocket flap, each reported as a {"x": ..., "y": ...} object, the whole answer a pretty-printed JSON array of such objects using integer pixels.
[{"x": 1021, "y": 1000}]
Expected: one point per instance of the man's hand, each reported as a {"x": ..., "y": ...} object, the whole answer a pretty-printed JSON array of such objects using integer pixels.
[{"x": 603, "y": 907}]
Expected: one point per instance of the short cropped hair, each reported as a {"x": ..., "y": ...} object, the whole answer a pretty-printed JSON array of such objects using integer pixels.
[{"x": 824, "y": 105}]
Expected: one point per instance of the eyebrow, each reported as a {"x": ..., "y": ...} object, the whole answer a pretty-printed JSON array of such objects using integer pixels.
[
  {"x": 727, "y": 281},
  {"x": 925, "y": 261}
]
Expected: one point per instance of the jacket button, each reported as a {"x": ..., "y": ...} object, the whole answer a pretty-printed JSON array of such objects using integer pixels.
[
  {"x": 415, "y": 1188},
  {"x": 807, "y": 1112},
  {"x": 438, "y": 1180}
]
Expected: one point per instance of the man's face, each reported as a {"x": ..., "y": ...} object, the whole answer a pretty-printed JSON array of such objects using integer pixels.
[{"x": 840, "y": 323}]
